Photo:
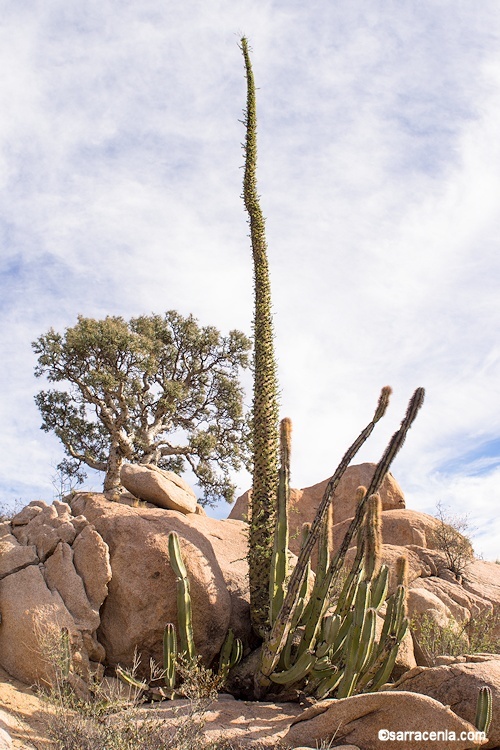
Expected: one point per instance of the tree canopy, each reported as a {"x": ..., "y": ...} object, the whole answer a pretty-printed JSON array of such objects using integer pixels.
[{"x": 157, "y": 389}]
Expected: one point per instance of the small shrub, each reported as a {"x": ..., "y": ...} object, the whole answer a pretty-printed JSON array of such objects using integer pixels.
[
  {"x": 449, "y": 537},
  {"x": 66, "y": 478},
  {"x": 8, "y": 511},
  {"x": 54, "y": 648},
  {"x": 71, "y": 730},
  {"x": 484, "y": 632},
  {"x": 438, "y": 640},
  {"x": 196, "y": 681},
  {"x": 481, "y": 634},
  {"x": 110, "y": 720}
]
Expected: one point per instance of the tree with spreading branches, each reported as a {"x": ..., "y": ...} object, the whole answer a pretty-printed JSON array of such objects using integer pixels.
[{"x": 156, "y": 389}]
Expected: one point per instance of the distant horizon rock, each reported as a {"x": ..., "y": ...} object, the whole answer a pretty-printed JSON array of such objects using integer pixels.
[{"x": 305, "y": 502}]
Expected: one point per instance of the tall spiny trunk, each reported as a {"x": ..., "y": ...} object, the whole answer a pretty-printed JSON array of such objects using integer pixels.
[{"x": 265, "y": 398}]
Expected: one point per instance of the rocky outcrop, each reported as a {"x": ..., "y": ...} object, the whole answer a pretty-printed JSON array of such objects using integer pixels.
[
  {"x": 457, "y": 686},
  {"x": 444, "y": 602},
  {"x": 482, "y": 579},
  {"x": 161, "y": 488},
  {"x": 54, "y": 572},
  {"x": 56, "y": 564},
  {"x": 142, "y": 591},
  {"x": 400, "y": 527},
  {"x": 304, "y": 503}
]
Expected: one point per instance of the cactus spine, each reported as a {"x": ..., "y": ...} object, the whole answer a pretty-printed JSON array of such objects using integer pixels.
[
  {"x": 373, "y": 536},
  {"x": 265, "y": 398},
  {"x": 184, "y": 611}
]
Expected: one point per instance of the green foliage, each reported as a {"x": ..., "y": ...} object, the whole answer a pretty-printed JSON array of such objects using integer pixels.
[
  {"x": 196, "y": 681},
  {"x": 170, "y": 654},
  {"x": 480, "y": 634},
  {"x": 185, "y": 665},
  {"x": 155, "y": 389},
  {"x": 230, "y": 655}
]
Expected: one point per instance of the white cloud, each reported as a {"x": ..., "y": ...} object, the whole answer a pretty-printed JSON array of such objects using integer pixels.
[{"x": 120, "y": 154}]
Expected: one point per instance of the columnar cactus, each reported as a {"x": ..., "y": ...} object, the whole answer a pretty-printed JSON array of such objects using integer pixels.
[
  {"x": 230, "y": 655},
  {"x": 279, "y": 563},
  {"x": 373, "y": 535},
  {"x": 169, "y": 655},
  {"x": 265, "y": 398},
  {"x": 484, "y": 709},
  {"x": 337, "y": 649},
  {"x": 184, "y": 611}
]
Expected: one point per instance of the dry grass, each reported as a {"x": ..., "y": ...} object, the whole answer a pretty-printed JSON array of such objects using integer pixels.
[{"x": 111, "y": 718}]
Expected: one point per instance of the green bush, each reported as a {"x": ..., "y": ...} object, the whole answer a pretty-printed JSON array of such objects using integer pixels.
[
  {"x": 450, "y": 537},
  {"x": 481, "y": 634}
]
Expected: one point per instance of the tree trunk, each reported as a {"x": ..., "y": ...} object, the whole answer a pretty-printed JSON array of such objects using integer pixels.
[{"x": 113, "y": 466}]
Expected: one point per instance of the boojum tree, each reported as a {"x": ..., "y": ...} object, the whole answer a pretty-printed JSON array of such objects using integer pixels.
[
  {"x": 279, "y": 605},
  {"x": 262, "y": 508}
]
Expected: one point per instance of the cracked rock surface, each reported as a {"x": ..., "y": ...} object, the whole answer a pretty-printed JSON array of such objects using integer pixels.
[{"x": 54, "y": 574}]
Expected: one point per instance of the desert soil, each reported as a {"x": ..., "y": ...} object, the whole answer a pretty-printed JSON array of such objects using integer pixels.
[{"x": 23, "y": 714}]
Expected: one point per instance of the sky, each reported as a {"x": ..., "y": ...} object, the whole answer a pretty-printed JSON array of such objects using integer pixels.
[{"x": 379, "y": 175}]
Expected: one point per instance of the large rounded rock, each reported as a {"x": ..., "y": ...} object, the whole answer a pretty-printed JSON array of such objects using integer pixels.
[
  {"x": 32, "y": 618},
  {"x": 422, "y": 602},
  {"x": 358, "y": 721},
  {"x": 458, "y": 686},
  {"x": 143, "y": 591},
  {"x": 162, "y": 488},
  {"x": 417, "y": 564},
  {"x": 304, "y": 503}
]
